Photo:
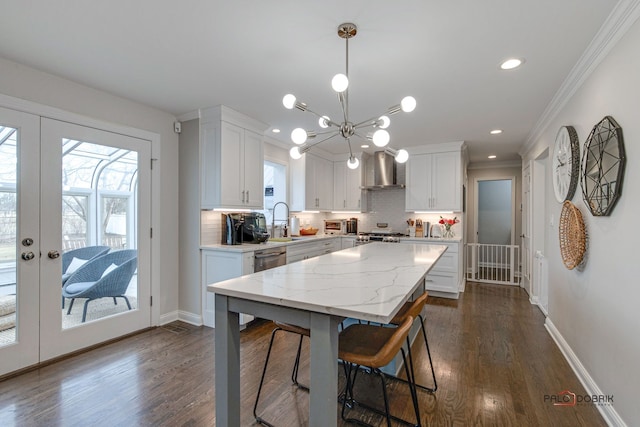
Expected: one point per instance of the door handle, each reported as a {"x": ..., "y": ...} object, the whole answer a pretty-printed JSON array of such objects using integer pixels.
[
  {"x": 53, "y": 254},
  {"x": 27, "y": 256},
  {"x": 247, "y": 196}
]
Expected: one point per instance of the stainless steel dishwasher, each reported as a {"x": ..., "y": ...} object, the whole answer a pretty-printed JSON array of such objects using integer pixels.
[{"x": 269, "y": 258}]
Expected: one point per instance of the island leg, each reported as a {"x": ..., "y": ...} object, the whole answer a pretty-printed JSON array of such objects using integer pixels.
[
  {"x": 323, "y": 407},
  {"x": 227, "y": 364}
]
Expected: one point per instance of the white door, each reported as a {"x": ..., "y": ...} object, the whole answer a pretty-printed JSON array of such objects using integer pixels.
[
  {"x": 19, "y": 239},
  {"x": 95, "y": 191}
]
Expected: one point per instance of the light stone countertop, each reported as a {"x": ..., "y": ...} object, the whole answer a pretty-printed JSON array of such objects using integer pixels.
[
  {"x": 250, "y": 247},
  {"x": 368, "y": 282}
]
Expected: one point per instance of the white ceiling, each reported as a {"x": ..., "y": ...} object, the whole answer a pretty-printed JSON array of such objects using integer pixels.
[{"x": 247, "y": 54}]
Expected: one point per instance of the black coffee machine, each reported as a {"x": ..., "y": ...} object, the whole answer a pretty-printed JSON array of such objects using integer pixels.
[
  {"x": 255, "y": 227},
  {"x": 232, "y": 229}
]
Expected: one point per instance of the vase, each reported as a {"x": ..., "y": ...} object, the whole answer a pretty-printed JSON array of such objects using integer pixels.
[{"x": 448, "y": 233}]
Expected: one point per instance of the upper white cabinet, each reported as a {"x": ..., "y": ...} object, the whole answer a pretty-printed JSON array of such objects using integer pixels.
[
  {"x": 434, "y": 182},
  {"x": 347, "y": 194},
  {"x": 232, "y": 157},
  {"x": 311, "y": 184}
]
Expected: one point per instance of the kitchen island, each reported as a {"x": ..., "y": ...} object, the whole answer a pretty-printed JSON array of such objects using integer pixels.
[{"x": 368, "y": 282}]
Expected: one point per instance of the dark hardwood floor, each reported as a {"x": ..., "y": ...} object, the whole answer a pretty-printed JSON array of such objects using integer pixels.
[{"x": 494, "y": 362}]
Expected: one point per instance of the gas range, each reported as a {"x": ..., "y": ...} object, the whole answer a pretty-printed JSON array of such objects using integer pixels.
[{"x": 379, "y": 236}]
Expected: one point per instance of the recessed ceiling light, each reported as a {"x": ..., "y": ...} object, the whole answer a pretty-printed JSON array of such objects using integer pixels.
[
  {"x": 496, "y": 131},
  {"x": 275, "y": 130},
  {"x": 493, "y": 156},
  {"x": 511, "y": 63},
  {"x": 364, "y": 146}
]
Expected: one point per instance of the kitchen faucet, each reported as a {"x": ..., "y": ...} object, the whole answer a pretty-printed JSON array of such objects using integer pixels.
[{"x": 273, "y": 217}]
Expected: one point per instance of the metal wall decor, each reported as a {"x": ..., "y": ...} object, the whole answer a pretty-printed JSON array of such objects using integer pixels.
[
  {"x": 573, "y": 236},
  {"x": 603, "y": 165}
]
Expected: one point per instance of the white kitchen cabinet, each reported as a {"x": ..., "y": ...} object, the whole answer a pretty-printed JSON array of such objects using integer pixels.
[
  {"x": 306, "y": 250},
  {"x": 348, "y": 242},
  {"x": 446, "y": 278},
  {"x": 219, "y": 265},
  {"x": 434, "y": 182},
  {"x": 311, "y": 184},
  {"x": 232, "y": 157},
  {"x": 347, "y": 194}
]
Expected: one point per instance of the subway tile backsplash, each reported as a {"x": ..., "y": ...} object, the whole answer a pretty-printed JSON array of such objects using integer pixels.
[{"x": 385, "y": 206}]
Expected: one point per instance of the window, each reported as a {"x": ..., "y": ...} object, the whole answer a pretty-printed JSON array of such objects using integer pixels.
[{"x": 275, "y": 184}]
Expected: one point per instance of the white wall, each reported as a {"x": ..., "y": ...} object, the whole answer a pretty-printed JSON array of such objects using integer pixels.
[
  {"x": 29, "y": 84},
  {"x": 595, "y": 308},
  {"x": 189, "y": 213}
]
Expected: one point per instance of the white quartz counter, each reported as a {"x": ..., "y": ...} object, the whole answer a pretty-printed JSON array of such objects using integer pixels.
[
  {"x": 250, "y": 247},
  {"x": 368, "y": 282}
]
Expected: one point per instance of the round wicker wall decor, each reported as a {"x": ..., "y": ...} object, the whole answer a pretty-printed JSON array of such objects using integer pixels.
[{"x": 573, "y": 235}]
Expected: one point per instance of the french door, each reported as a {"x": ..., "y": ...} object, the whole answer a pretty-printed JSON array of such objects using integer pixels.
[{"x": 75, "y": 189}]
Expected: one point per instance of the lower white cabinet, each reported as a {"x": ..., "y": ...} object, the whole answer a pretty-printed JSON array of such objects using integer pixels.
[
  {"x": 306, "y": 250},
  {"x": 219, "y": 265},
  {"x": 348, "y": 242},
  {"x": 445, "y": 278}
]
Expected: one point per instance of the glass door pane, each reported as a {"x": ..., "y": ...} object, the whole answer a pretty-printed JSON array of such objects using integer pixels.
[
  {"x": 97, "y": 207},
  {"x": 8, "y": 233},
  {"x": 19, "y": 239}
]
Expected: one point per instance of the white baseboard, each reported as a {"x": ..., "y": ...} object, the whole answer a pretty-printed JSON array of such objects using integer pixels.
[
  {"x": 609, "y": 413},
  {"x": 168, "y": 317},
  {"x": 191, "y": 318}
]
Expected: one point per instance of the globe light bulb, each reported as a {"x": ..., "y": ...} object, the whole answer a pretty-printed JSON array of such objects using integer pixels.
[
  {"x": 381, "y": 138},
  {"x": 353, "y": 163},
  {"x": 340, "y": 83},
  {"x": 408, "y": 104},
  {"x": 299, "y": 136},
  {"x": 289, "y": 101},
  {"x": 384, "y": 122},
  {"x": 402, "y": 156},
  {"x": 295, "y": 153},
  {"x": 324, "y": 122}
]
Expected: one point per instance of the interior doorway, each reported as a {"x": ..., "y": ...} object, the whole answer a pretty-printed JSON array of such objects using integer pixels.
[
  {"x": 494, "y": 256},
  {"x": 495, "y": 212}
]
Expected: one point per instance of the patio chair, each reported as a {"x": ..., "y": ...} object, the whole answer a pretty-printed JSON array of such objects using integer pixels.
[
  {"x": 82, "y": 255},
  {"x": 76, "y": 258},
  {"x": 102, "y": 277}
]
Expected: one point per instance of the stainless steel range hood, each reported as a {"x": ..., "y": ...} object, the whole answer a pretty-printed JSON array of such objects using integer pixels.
[{"x": 380, "y": 172}]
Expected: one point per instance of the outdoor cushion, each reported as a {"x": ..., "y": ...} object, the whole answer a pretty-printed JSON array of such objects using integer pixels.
[{"x": 76, "y": 263}]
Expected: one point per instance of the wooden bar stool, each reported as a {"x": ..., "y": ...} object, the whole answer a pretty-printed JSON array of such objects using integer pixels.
[
  {"x": 414, "y": 309},
  {"x": 303, "y": 332},
  {"x": 374, "y": 347}
]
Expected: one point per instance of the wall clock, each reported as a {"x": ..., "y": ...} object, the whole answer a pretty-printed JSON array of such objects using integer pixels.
[{"x": 566, "y": 163}]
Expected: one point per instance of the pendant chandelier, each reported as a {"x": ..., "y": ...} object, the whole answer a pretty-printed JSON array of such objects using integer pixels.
[{"x": 376, "y": 125}]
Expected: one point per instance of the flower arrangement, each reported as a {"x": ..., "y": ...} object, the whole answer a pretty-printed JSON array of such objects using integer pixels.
[{"x": 448, "y": 223}]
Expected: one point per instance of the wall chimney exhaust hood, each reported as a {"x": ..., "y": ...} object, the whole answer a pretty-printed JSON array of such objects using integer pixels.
[{"x": 380, "y": 172}]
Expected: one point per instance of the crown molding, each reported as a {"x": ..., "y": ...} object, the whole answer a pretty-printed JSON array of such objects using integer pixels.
[
  {"x": 622, "y": 17},
  {"x": 495, "y": 165}
]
